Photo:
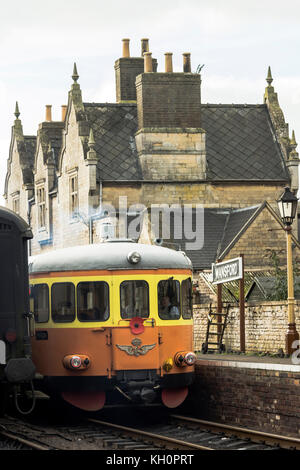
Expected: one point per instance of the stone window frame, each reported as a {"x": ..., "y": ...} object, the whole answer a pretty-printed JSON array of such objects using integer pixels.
[
  {"x": 73, "y": 194},
  {"x": 16, "y": 202},
  {"x": 41, "y": 206}
]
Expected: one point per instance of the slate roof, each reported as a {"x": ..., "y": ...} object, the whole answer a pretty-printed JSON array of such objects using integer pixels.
[
  {"x": 114, "y": 127},
  {"x": 264, "y": 288},
  {"x": 51, "y": 133},
  {"x": 240, "y": 142},
  {"x": 221, "y": 228},
  {"x": 27, "y": 167}
]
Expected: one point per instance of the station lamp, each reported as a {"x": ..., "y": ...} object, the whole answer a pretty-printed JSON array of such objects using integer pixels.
[{"x": 287, "y": 205}]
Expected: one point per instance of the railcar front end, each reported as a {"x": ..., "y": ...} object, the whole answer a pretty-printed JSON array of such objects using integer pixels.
[{"x": 113, "y": 323}]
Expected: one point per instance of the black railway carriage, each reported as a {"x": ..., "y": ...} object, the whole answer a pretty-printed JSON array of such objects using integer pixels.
[
  {"x": 16, "y": 365},
  {"x": 113, "y": 320}
]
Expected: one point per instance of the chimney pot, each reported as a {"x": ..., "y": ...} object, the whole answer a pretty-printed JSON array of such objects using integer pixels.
[
  {"x": 63, "y": 111},
  {"x": 48, "y": 112},
  {"x": 148, "y": 65},
  {"x": 126, "y": 52},
  {"x": 144, "y": 46},
  {"x": 186, "y": 62},
  {"x": 168, "y": 62}
]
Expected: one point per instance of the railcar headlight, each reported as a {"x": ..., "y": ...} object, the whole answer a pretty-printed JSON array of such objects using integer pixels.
[
  {"x": 75, "y": 362},
  {"x": 134, "y": 257},
  {"x": 190, "y": 358}
]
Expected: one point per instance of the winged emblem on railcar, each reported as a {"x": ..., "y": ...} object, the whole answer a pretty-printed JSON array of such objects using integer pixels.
[{"x": 136, "y": 349}]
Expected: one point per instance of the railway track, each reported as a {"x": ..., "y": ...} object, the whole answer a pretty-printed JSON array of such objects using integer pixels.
[
  {"x": 179, "y": 433},
  {"x": 284, "y": 442},
  {"x": 12, "y": 441}
]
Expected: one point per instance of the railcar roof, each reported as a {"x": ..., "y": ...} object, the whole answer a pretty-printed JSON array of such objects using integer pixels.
[
  {"x": 110, "y": 255},
  {"x": 9, "y": 216}
]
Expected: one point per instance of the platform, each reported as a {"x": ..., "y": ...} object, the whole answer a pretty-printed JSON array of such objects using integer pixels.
[{"x": 250, "y": 361}]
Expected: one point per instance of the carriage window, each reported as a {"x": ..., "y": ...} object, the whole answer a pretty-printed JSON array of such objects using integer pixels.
[
  {"x": 39, "y": 302},
  {"x": 92, "y": 301},
  {"x": 187, "y": 298},
  {"x": 63, "y": 302},
  {"x": 134, "y": 299},
  {"x": 169, "y": 299}
]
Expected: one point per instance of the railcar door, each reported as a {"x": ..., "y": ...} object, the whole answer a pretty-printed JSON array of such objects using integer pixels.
[{"x": 135, "y": 335}]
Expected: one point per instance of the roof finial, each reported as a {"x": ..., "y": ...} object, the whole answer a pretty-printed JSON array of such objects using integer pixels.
[
  {"x": 92, "y": 154},
  {"x": 269, "y": 77},
  {"x": 75, "y": 75},
  {"x": 17, "y": 112},
  {"x": 91, "y": 142},
  {"x": 293, "y": 154}
]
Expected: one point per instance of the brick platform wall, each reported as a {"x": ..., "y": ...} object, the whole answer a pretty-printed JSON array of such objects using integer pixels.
[{"x": 265, "y": 400}]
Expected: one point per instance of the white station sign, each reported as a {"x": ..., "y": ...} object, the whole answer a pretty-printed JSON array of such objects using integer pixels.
[{"x": 227, "y": 271}]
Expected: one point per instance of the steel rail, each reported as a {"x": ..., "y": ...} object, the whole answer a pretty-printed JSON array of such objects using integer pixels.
[
  {"x": 26, "y": 442},
  {"x": 286, "y": 442},
  {"x": 156, "y": 437}
]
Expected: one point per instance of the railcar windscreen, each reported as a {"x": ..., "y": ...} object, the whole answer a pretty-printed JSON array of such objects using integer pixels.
[
  {"x": 134, "y": 297},
  {"x": 93, "y": 301},
  {"x": 63, "y": 302},
  {"x": 168, "y": 292}
]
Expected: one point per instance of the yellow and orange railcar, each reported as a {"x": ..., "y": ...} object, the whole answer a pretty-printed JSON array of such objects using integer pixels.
[{"x": 113, "y": 322}]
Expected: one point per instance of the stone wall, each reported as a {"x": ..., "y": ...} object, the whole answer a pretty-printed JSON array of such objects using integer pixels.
[
  {"x": 210, "y": 195},
  {"x": 265, "y": 326}
]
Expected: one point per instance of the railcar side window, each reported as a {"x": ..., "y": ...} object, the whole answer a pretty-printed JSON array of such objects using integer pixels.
[
  {"x": 63, "y": 302},
  {"x": 39, "y": 294},
  {"x": 168, "y": 292},
  {"x": 187, "y": 299},
  {"x": 134, "y": 297},
  {"x": 92, "y": 301}
]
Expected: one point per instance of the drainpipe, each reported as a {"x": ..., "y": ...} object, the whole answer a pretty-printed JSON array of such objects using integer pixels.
[
  {"x": 29, "y": 205},
  {"x": 91, "y": 218},
  {"x": 91, "y": 230}
]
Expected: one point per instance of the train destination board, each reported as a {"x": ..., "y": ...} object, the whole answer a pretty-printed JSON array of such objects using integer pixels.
[{"x": 227, "y": 271}]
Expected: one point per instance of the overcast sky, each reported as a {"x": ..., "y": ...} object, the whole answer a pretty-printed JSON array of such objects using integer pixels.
[{"x": 235, "y": 39}]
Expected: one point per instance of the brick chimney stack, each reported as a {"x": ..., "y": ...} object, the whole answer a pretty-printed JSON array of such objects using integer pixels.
[
  {"x": 169, "y": 99},
  {"x": 127, "y": 68},
  {"x": 170, "y": 141}
]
